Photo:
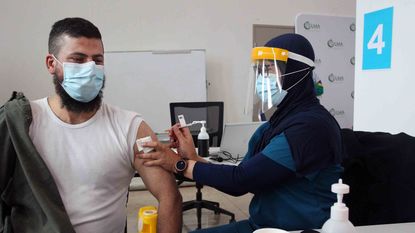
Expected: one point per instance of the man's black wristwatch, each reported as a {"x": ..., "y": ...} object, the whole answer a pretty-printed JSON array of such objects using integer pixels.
[{"x": 180, "y": 166}]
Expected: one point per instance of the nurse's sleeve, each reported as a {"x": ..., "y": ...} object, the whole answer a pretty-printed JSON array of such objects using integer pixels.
[{"x": 254, "y": 175}]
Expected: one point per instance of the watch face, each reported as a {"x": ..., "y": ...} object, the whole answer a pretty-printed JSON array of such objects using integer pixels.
[{"x": 181, "y": 165}]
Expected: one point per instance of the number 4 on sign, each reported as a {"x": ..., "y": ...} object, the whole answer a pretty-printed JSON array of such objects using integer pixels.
[{"x": 376, "y": 41}]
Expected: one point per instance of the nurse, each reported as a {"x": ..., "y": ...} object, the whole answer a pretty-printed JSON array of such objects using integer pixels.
[{"x": 292, "y": 159}]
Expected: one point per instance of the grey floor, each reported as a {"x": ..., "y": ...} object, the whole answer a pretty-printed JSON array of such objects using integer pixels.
[{"x": 237, "y": 205}]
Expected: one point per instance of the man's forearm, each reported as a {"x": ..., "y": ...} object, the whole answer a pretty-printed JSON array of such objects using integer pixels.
[{"x": 170, "y": 214}]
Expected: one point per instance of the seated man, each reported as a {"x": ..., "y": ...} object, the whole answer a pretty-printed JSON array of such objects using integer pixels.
[{"x": 86, "y": 148}]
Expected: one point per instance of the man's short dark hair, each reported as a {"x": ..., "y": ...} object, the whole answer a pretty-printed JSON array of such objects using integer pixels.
[{"x": 73, "y": 27}]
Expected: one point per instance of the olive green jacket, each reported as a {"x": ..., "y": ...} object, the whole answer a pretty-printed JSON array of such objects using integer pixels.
[{"x": 30, "y": 200}]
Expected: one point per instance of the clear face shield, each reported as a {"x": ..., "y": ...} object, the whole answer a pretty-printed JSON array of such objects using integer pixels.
[{"x": 269, "y": 73}]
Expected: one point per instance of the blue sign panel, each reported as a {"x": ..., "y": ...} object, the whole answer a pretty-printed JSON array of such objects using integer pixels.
[{"x": 377, "y": 39}]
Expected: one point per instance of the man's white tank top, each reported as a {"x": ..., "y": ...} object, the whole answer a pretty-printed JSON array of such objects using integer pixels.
[{"x": 91, "y": 163}]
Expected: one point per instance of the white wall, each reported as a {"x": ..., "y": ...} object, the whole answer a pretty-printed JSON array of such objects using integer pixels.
[
  {"x": 384, "y": 98},
  {"x": 222, "y": 27}
]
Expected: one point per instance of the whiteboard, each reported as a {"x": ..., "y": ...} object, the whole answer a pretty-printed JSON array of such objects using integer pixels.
[{"x": 147, "y": 81}]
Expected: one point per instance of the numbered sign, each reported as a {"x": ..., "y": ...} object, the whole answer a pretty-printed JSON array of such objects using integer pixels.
[{"x": 377, "y": 39}]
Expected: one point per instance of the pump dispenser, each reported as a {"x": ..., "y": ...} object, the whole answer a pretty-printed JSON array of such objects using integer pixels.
[
  {"x": 339, "y": 213},
  {"x": 203, "y": 141}
]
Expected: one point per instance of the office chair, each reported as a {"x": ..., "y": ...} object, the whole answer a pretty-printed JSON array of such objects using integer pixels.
[
  {"x": 379, "y": 168},
  {"x": 212, "y": 113}
]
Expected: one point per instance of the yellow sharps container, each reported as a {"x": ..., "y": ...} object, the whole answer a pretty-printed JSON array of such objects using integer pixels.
[{"x": 147, "y": 219}]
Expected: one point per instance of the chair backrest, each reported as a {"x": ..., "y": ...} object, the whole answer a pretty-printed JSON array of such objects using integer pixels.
[
  {"x": 211, "y": 112},
  {"x": 379, "y": 167}
]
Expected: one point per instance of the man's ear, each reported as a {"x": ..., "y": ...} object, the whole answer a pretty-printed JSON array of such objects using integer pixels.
[{"x": 51, "y": 64}]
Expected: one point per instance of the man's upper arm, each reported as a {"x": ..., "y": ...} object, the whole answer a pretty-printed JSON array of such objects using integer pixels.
[{"x": 156, "y": 179}]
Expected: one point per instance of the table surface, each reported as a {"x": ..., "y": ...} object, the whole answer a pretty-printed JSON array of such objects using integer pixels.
[
  {"x": 215, "y": 150},
  {"x": 386, "y": 228}
]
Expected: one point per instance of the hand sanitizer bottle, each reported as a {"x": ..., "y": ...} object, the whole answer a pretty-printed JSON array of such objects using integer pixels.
[
  {"x": 339, "y": 213},
  {"x": 203, "y": 141}
]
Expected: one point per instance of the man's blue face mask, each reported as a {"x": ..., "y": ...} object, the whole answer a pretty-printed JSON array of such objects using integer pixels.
[{"x": 82, "y": 81}]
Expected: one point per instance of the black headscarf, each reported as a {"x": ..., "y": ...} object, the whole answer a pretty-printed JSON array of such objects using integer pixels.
[{"x": 311, "y": 131}]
